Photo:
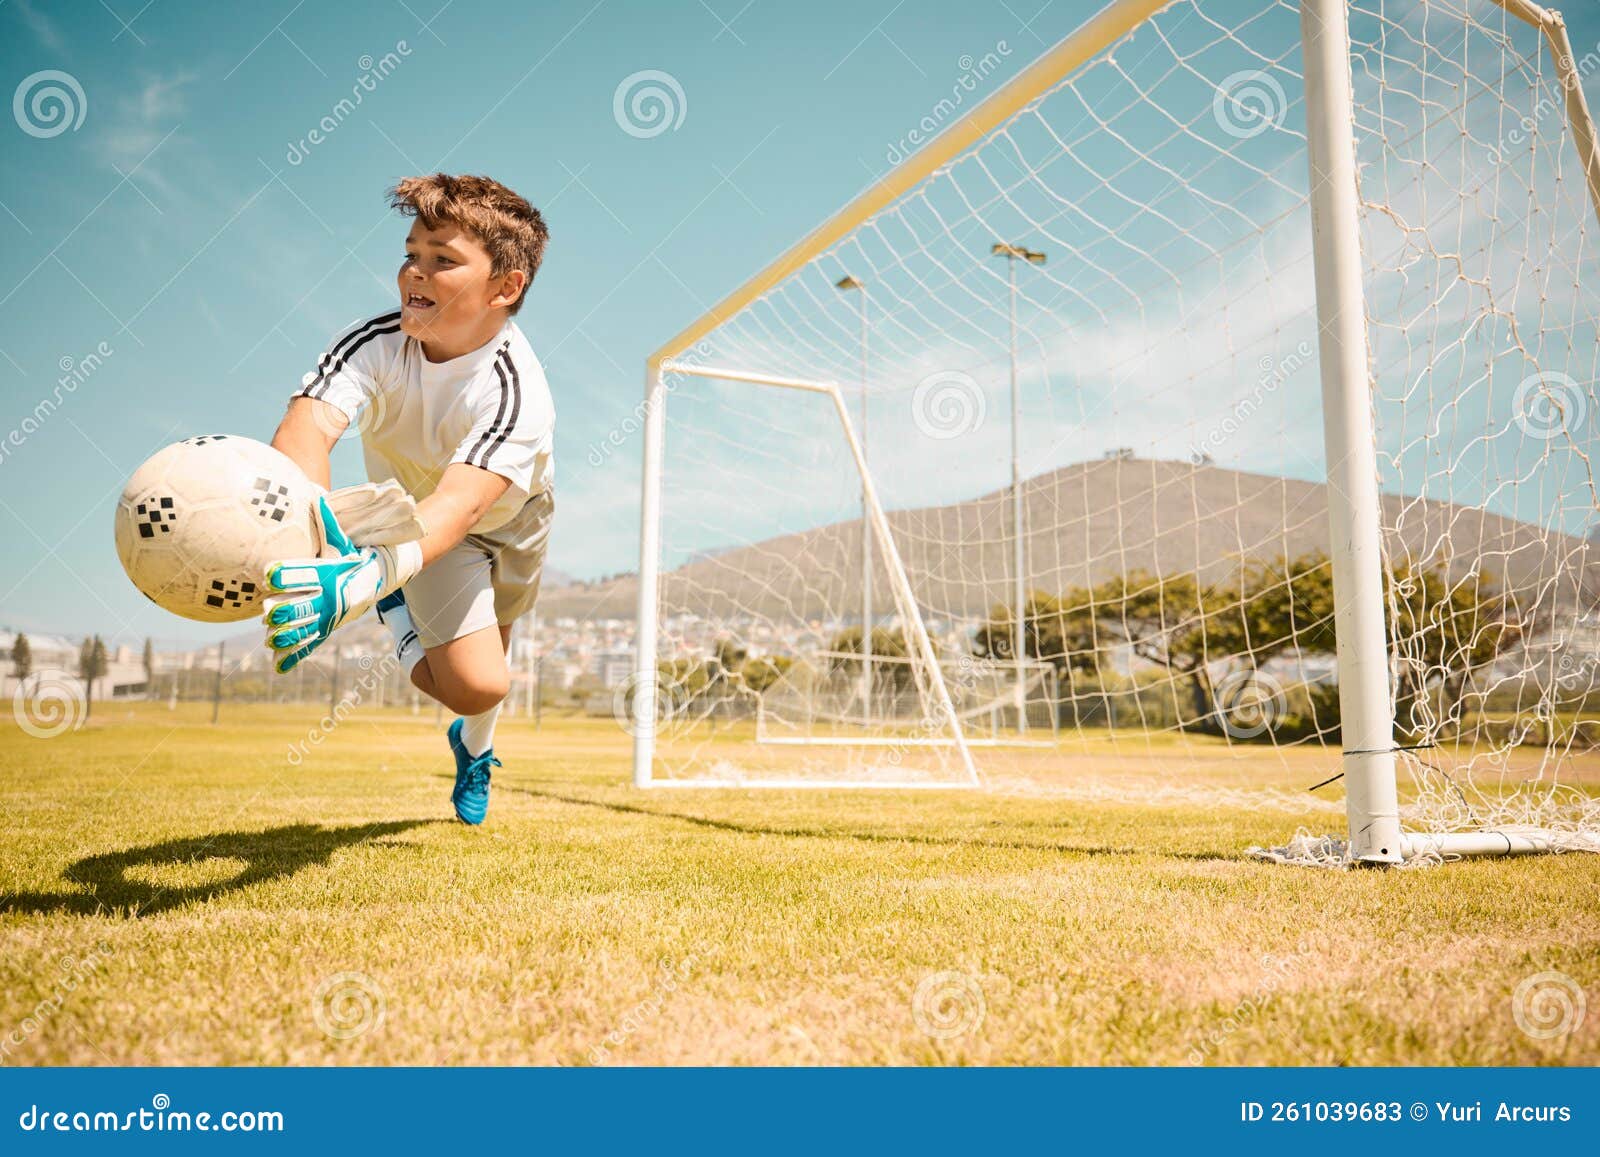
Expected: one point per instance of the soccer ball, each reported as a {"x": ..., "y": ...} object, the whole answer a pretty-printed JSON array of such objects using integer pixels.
[{"x": 200, "y": 521}]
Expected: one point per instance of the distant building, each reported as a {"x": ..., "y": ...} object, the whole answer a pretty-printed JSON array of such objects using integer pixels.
[
  {"x": 55, "y": 658},
  {"x": 611, "y": 666}
]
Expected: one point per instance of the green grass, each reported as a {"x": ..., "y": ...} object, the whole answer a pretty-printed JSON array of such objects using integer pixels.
[{"x": 171, "y": 892}]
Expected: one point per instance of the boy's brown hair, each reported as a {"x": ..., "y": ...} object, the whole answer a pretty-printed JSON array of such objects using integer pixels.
[{"x": 508, "y": 227}]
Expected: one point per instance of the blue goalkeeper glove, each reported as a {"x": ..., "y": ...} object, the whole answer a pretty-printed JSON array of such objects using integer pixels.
[{"x": 313, "y": 597}]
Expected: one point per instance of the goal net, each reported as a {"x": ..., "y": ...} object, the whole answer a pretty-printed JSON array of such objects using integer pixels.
[{"x": 1057, "y": 393}]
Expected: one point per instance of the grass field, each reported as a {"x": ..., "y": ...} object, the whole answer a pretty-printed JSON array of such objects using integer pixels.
[{"x": 173, "y": 892}]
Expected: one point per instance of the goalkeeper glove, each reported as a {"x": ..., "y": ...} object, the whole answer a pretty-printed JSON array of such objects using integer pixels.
[
  {"x": 376, "y": 513},
  {"x": 313, "y": 597}
]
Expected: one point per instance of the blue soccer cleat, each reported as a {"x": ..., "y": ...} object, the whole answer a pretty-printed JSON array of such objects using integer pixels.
[{"x": 471, "y": 794}]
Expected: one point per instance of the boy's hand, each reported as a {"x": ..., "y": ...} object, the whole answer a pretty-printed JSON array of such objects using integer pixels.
[
  {"x": 377, "y": 513},
  {"x": 314, "y": 597}
]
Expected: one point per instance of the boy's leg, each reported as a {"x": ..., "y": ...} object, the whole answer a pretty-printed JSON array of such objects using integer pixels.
[
  {"x": 450, "y": 610},
  {"x": 469, "y": 673}
]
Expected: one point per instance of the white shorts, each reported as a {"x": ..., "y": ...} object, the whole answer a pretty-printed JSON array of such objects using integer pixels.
[{"x": 484, "y": 580}]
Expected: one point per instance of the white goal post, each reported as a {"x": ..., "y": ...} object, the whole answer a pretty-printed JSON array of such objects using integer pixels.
[
  {"x": 1455, "y": 538},
  {"x": 943, "y": 719}
]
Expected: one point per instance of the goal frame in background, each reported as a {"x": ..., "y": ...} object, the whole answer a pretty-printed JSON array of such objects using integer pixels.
[
  {"x": 1369, "y": 755},
  {"x": 645, "y": 700}
]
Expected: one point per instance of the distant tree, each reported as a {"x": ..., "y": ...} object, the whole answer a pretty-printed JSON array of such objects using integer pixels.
[
  {"x": 1445, "y": 631},
  {"x": 1288, "y": 604},
  {"x": 1059, "y": 631},
  {"x": 149, "y": 667},
  {"x": 727, "y": 660},
  {"x": 1186, "y": 626},
  {"x": 21, "y": 658},
  {"x": 92, "y": 665},
  {"x": 85, "y": 671},
  {"x": 762, "y": 672},
  {"x": 679, "y": 681},
  {"x": 886, "y": 644}
]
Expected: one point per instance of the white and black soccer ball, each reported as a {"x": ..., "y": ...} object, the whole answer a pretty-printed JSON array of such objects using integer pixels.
[{"x": 200, "y": 521}]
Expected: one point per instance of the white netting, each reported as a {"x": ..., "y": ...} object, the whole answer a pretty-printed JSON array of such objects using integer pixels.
[{"x": 1173, "y": 518}]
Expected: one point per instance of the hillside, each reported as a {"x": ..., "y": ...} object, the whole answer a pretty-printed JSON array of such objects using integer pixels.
[{"x": 1087, "y": 522}]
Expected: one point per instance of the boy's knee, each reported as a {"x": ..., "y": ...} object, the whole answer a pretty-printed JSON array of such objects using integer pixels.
[{"x": 477, "y": 694}]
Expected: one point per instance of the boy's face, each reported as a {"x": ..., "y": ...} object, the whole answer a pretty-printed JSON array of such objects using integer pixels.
[{"x": 448, "y": 298}]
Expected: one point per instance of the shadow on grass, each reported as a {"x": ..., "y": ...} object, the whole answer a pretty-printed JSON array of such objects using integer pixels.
[
  {"x": 867, "y": 837},
  {"x": 268, "y": 855}
]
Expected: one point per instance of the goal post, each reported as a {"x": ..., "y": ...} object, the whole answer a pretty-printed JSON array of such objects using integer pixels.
[
  {"x": 939, "y": 724},
  {"x": 1279, "y": 440},
  {"x": 1366, "y": 715}
]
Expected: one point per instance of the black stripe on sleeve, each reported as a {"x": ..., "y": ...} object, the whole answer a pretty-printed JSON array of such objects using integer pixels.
[
  {"x": 516, "y": 409},
  {"x": 337, "y": 357},
  {"x": 506, "y": 389}
]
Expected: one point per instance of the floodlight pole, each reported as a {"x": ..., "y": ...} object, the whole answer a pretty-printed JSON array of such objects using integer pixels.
[
  {"x": 1018, "y": 563},
  {"x": 847, "y": 284}
]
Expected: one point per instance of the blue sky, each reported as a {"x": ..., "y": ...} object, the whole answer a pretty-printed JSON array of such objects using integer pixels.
[
  {"x": 190, "y": 226},
  {"x": 172, "y": 225}
]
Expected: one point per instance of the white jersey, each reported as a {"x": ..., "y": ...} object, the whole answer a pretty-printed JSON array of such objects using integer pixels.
[{"x": 489, "y": 408}]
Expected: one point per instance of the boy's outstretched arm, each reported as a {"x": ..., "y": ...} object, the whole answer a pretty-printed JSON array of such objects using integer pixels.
[
  {"x": 311, "y": 598},
  {"x": 306, "y": 435},
  {"x": 464, "y": 494}
]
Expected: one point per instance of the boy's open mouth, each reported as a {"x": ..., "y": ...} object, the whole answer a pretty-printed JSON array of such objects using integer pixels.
[{"x": 417, "y": 301}]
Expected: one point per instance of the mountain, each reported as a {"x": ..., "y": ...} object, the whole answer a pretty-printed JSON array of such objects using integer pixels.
[{"x": 1087, "y": 522}]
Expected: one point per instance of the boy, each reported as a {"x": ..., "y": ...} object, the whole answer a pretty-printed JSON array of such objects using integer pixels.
[{"x": 452, "y": 405}]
